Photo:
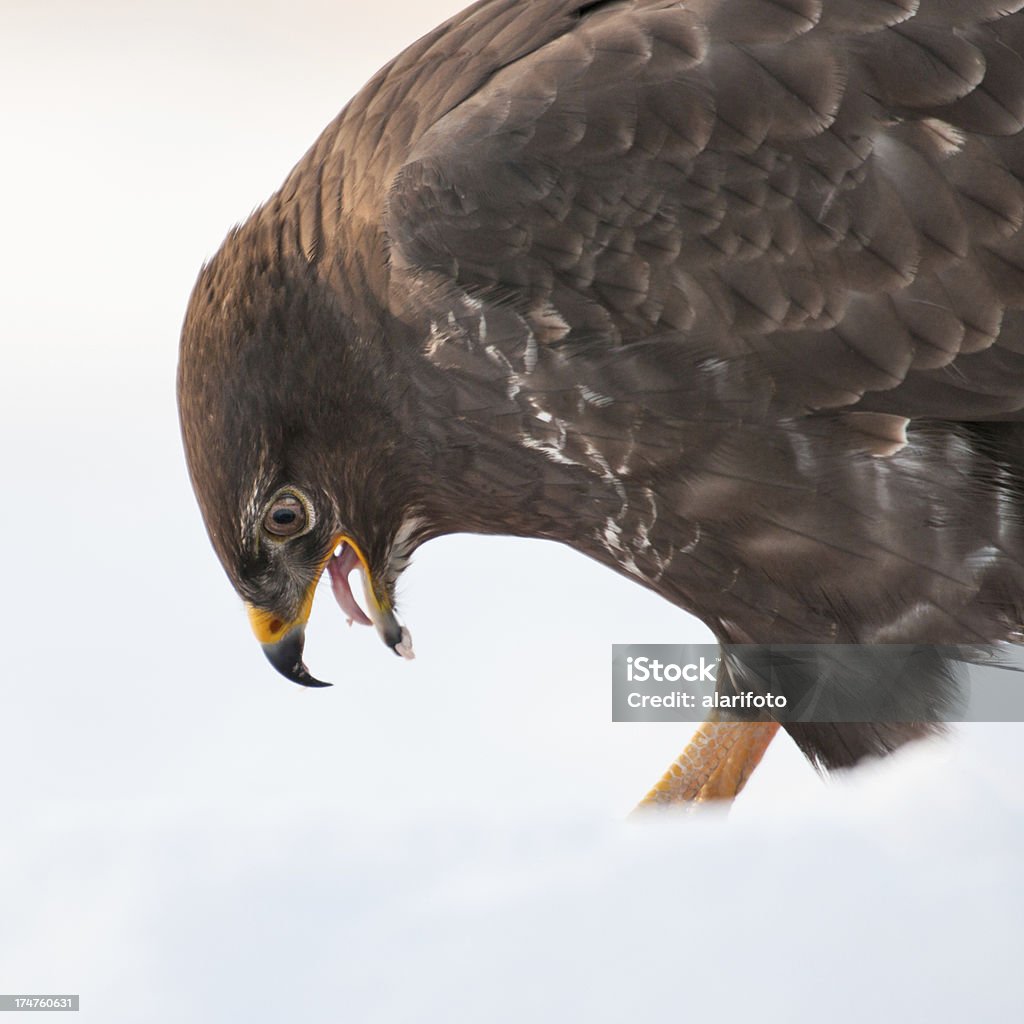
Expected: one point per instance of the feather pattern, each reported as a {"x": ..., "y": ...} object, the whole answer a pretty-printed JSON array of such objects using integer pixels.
[{"x": 727, "y": 295}]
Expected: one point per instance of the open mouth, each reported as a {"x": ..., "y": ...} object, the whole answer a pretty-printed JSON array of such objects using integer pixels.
[
  {"x": 283, "y": 642},
  {"x": 339, "y": 567}
]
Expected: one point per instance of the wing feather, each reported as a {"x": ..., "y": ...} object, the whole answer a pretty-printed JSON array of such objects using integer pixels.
[{"x": 830, "y": 189}]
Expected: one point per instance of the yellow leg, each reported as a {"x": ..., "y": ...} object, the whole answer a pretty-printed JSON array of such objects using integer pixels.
[{"x": 715, "y": 765}]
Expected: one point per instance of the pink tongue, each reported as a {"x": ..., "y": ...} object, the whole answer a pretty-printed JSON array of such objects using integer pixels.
[{"x": 339, "y": 567}]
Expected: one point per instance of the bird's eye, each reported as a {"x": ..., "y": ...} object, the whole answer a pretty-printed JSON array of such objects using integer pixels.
[{"x": 285, "y": 517}]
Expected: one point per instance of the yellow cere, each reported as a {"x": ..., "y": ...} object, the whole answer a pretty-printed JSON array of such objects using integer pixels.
[{"x": 269, "y": 627}]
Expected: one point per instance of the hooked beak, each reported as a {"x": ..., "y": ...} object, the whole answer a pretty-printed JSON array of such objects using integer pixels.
[
  {"x": 283, "y": 642},
  {"x": 286, "y": 656}
]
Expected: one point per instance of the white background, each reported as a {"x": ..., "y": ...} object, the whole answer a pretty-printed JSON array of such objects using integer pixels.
[{"x": 185, "y": 836}]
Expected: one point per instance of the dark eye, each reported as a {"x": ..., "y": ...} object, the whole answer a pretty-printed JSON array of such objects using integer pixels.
[{"x": 286, "y": 516}]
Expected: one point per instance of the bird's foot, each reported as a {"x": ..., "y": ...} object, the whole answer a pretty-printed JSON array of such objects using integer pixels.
[{"x": 714, "y": 766}]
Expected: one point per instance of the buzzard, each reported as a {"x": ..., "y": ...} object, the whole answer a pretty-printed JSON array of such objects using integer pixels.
[{"x": 726, "y": 294}]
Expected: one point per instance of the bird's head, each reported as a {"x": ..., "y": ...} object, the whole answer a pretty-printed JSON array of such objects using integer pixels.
[{"x": 293, "y": 450}]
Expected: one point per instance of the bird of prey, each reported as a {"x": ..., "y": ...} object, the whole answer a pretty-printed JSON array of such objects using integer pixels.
[{"x": 725, "y": 294}]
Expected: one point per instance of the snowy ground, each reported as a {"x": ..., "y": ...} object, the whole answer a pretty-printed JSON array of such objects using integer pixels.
[{"x": 187, "y": 837}]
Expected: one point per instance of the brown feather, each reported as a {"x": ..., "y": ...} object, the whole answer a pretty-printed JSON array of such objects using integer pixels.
[{"x": 727, "y": 297}]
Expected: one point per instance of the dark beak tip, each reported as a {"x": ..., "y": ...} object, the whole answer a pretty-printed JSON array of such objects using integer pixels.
[
  {"x": 286, "y": 657},
  {"x": 303, "y": 678}
]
